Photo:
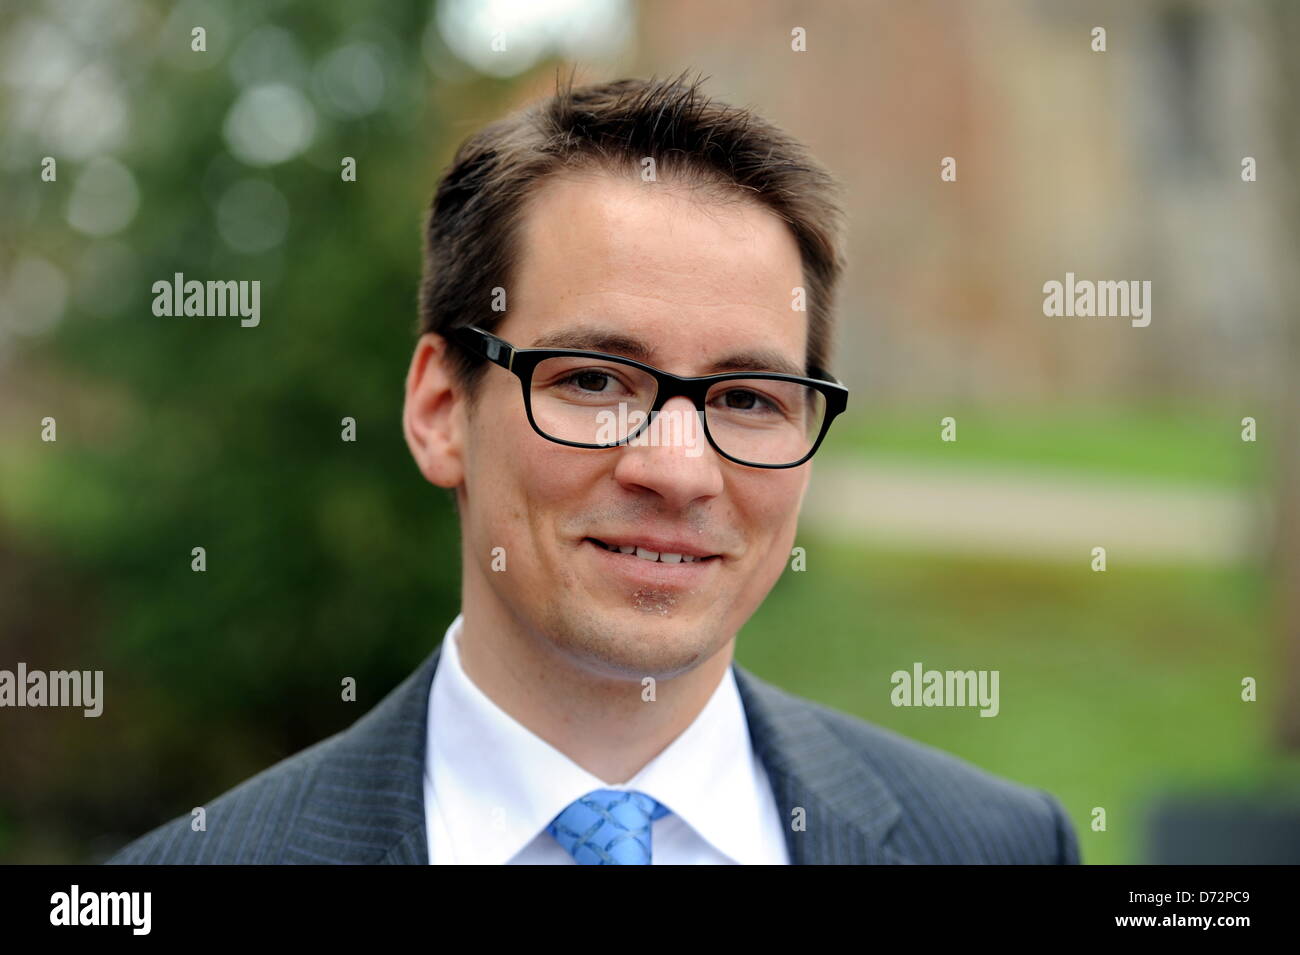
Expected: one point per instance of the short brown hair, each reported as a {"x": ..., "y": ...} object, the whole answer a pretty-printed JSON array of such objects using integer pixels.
[{"x": 473, "y": 222}]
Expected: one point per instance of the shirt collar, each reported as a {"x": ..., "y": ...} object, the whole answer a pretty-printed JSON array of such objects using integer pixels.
[{"x": 502, "y": 784}]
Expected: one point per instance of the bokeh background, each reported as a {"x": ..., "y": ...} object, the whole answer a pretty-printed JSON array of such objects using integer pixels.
[{"x": 1119, "y": 690}]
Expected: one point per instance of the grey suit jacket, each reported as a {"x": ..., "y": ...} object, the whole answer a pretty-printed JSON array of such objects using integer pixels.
[{"x": 868, "y": 795}]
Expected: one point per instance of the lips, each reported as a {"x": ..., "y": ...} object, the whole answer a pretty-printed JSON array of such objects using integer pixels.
[
  {"x": 667, "y": 552},
  {"x": 647, "y": 570}
]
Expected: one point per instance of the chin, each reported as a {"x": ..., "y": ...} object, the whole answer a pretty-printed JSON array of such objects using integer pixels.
[{"x": 646, "y": 639}]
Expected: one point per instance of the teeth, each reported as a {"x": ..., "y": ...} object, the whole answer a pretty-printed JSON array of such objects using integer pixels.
[{"x": 651, "y": 555}]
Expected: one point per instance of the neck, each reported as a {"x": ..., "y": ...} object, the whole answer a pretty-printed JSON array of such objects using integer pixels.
[{"x": 602, "y": 722}]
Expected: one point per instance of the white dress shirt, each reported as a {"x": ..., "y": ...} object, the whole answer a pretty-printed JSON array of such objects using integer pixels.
[{"x": 491, "y": 786}]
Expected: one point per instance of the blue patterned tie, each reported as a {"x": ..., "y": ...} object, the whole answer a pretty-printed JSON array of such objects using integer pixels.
[{"x": 608, "y": 827}]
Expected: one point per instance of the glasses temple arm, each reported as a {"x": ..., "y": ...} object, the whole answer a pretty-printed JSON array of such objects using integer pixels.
[{"x": 486, "y": 345}]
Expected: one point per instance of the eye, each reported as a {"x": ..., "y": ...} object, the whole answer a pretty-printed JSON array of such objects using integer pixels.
[
  {"x": 743, "y": 399},
  {"x": 582, "y": 379},
  {"x": 589, "y": 380}
]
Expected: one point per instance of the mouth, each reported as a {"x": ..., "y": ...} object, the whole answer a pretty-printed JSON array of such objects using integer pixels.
[
  {"x": 655, "y": 571},
  {"x": 649, "y": 551}
]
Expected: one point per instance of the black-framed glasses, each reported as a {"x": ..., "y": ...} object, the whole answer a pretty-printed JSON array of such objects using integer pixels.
[{"x": 587, "y": 399}]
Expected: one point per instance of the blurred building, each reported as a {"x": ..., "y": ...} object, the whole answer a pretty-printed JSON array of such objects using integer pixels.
[{"x": 1117, "y": 165}]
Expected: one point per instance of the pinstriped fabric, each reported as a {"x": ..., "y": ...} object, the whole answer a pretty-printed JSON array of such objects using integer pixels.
[
  {"x": 356, "y": 797},
  {"x": 246, "y": 849},
  {"x": 869, "y": 795},
  {"x": 849, "y": 793}
]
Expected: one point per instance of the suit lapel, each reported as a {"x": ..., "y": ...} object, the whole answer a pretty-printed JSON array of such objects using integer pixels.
[
  {"x": 367, "y": 804},
  {"x": 848, "y": 810},
  {"x": 367, "y": 801}
]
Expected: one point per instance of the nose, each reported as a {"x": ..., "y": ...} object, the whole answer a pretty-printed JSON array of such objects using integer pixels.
[{"x": 671, "y": 458}]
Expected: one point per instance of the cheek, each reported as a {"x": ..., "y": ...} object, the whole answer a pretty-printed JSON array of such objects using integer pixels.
[
  {"x": 769, "y": 502},
  {"x": 554, "y": 475},
  {"x": 768, "y": 506},
  {"x": 494, "y": 484},
  {"x": 773, "y": 520},
  {"x": 523, "y": 485}
]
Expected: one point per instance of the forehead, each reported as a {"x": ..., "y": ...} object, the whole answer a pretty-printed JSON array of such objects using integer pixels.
[{"x": 688, "y": 273}]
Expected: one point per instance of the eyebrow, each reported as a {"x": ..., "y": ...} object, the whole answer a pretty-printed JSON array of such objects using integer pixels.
[{"x": 615, "y": 343}]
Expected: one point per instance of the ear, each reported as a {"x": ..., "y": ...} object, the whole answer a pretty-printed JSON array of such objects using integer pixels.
[{"x": 432, "y": 417}]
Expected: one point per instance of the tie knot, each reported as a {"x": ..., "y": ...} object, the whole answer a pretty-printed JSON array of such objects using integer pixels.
[{"x": 608, "y": 827}]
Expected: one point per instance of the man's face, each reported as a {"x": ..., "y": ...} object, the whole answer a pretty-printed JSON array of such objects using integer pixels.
[{"x": 701, "y": 287}]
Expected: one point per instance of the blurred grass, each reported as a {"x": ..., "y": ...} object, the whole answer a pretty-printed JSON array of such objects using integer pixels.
[
  {"x": 1114, "y": 687},
  {"x": 1196, "y": 442}
]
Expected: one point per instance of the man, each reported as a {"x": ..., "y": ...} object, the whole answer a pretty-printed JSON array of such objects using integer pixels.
[{"x": 621, "y": 378}]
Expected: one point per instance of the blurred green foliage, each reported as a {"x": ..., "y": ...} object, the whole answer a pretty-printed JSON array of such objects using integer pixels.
[{"x": 325, "y": 559}]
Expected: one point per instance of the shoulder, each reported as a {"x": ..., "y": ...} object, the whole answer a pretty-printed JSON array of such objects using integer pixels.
[
  {"x": 950, "y": 806},
  {"x": 354, "y": 797},
  {"x": 247, "y": 824},
  {"x": 949, "y": 810}
]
